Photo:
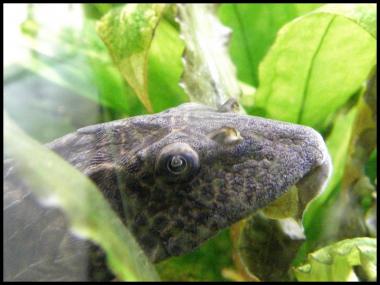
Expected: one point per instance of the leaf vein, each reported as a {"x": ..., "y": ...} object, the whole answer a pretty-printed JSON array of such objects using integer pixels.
[{"x": 308, "y": 76}]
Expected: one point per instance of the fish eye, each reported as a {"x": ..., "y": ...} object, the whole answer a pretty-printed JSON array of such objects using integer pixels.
[{"x": 177, "y": 162}]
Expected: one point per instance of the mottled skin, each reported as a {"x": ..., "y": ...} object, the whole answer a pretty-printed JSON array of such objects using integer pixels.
[
  {"x": 170, "y": 218},
  {"x": 236, "y": 164}
]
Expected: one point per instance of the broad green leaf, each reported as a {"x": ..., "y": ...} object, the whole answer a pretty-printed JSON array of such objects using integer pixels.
[
  {"x": 335, "y": 262},
  {"x": 316, "y": 64},
  {"x": 128, "y": 33},
  {"x": 247, "y": 98},
  {"x": 92, "y": 74},
  {"x": 209, "y": 75},
  {"x": 164, "y": 75},
  {"x": 363, "y": 14},
  {"x": 89, "y": 214},
  {"x": 111, "y": 90},
  {"x": 254, "y": 28},
  {"x": 170, "y": 15}
]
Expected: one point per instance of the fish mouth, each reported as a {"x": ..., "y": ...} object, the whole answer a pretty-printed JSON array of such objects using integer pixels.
[
  {"x": 297, "y": 196},
  {"x": 306, "y": 189},
  {"x": 289, "y": 208},
  {"x": 315, "y": 181},
  {"x": 313, "y": 184}
]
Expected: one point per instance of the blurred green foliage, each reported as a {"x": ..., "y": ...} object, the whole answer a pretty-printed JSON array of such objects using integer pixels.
[
  {"x": 308, "y": 62},
  {"x": 103, "y": 227},
  {"x": 203, "y": 264}
]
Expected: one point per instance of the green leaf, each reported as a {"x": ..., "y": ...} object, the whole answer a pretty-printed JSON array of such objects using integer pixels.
[
  {"x": 128, "y": 33},
  {"x": 335, "y": 262},
  {"x": 363, "y": 14},
  {"x": 254, "y": 29},
  {"x": 247, "y": 98},
  {"x": 111, "y": 90},
  {"x": 68, "y": 188},
  {"x": 82, "y": 64},
  {"x": 164, "y": 75},
  {"x": 209, "y": 75},
  {"x": 315, "y": 65}
]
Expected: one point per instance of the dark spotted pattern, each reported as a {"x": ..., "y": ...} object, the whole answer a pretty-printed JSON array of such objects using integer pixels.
[{"x": 233, "y": 179}]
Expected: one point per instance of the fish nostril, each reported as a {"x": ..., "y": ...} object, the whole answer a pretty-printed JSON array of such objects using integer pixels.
[{"x": 269, "y": 156}]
